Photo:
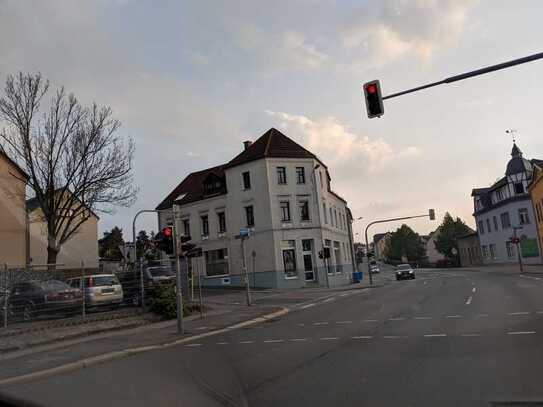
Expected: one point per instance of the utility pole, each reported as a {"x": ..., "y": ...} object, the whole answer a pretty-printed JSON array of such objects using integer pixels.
[
  {"x": 516, "y": 240},
  {"x": 179, "y": 293},
  {"x": 430, "y": 214},
  {"x": 245, "y": 273}
]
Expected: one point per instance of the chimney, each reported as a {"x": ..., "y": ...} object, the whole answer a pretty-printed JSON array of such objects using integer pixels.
[{"x": 247, "y": 144}]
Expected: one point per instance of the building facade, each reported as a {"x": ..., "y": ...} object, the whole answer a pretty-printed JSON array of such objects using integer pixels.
[
  {"x": 13, "y": 221},
  {"x": 469, "y": 250},
  {"x": 281, "y": 193},
  {"x": 380, "y": 241},
  {"x": 536, "y": 194},
  {"x": 433, "y": 256},
  {"x": 504, "y": 211}
]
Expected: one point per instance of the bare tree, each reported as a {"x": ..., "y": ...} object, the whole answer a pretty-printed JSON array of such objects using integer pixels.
[{"x": 76, "y": 161}]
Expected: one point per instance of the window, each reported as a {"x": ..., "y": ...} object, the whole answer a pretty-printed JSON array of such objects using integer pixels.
[
  {"x": 284, "y": 206},
  {"x": 222, "y": 222},
  {"x": 495, "y": 222},
  {"x": 246, "y": 180},
  {"x": 186, "y": 227},
  {"x": 506, "y": 222},
  {"x": 344, "y": 251},
  {"x": 488, "y": 229},
  {"x": 289, "y": 258},
  {"x": 335, "y": 218},
  {"x": 205, "y": 225},
  {"x": 300, "y": 175},
  {"x": 519, "y": 188},
  {"x": 325, "y": 213},
  {"x": 492, "y": 251},
  {"x": 337, "y": 257},
  {"x": 304, "y": 210},
  {"x": 320, "y": 176},
  {"x": 523, "y": 216},
  {"x": 331, "y": 216},
  {"x": 216, "y": 262},
  {"x": 485, "y": 251},
  {"x": 213, "y": 186},
  {"x": 510, "y": 249},
  {"x": 499, "y": 194},
  {"x": 249, "y": 216},
  {"x": 307, "y": 254},
  {"x": 281, "y": 175}
]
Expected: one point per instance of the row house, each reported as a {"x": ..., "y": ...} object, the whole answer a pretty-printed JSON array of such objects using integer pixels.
[{"x": 282, "y": 193}]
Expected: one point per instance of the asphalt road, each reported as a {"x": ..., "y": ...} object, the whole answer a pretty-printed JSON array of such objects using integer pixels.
[{"x": 447, "y": 338}]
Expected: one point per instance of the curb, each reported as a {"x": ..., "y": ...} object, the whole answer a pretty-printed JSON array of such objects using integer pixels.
[{"x": 95, "y": 360}]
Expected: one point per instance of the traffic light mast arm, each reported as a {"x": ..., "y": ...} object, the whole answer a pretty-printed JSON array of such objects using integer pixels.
[{"x": 470, "y": 74}]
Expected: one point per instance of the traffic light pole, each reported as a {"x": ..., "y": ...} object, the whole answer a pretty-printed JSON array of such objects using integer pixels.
[
  {"x": 517, "y": 244},
  {"x": 429, "y": 215},
  {"x": 471, "y": 74},
  {"x": 245, "y": 273},
  {"x": 179, "y": 292}
]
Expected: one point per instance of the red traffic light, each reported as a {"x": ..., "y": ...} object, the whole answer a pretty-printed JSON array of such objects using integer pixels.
[
  {"x": 167, "y": 232},
  {"x": 374, "y": 101},
  {"x": 371, "y": 88}
]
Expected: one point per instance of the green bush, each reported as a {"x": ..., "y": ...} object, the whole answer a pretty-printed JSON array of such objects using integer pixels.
[{"x": 164, "y": 303}]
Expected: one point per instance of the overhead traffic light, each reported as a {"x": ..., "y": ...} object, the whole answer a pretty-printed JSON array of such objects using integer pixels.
[
  {"x": 374, "y": 101},
  {"x": 432, "y": 214}
]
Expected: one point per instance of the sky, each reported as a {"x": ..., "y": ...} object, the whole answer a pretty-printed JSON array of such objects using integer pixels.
[{"x": 191, "y": 80}]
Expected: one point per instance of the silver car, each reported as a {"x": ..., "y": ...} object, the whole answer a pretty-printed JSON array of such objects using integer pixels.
[{"x": 100, "y": 289}]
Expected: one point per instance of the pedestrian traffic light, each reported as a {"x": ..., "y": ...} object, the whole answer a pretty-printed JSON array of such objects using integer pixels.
[
  {"x": 374, "y": 101},
  {"x": 164, "y": 240},
  {"x": 432, "y": 214}
]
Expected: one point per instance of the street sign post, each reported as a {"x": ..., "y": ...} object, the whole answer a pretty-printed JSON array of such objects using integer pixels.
[{"x": 244, "y": 235}]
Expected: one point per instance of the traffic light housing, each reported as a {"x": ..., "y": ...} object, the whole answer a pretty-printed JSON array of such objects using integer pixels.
[
  {"x": 432, "y": 214},
  {"x": 164, "y": 240},
  {"x": 374, "y": 100}
]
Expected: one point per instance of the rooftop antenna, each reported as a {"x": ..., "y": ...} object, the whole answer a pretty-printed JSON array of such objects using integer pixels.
[{"x": 512, "y": 133}]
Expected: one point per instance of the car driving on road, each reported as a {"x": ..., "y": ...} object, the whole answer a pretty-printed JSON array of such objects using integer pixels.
[{"x": 404, "y": 271}]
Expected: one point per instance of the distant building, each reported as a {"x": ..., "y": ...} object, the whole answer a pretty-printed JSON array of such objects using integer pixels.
[
  {"x": 282, "y": 194},
  {"x": 536, "y": 194},
  {"x": 380, "y": 241},
  {"x": 433, "y": 256},
  {"x": 13, "y": 221},
  {"x": 504, "y": 210},
  {"x": 469, "y": 250}
]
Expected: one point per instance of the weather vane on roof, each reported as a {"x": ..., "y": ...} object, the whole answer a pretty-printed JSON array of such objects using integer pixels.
[{"x": 512, "y": 133}]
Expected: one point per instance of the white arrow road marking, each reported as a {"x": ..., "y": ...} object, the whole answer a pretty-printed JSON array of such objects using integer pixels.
[
  {"x": 468, "y": 302},
  {"x": 307, "y": 306}
]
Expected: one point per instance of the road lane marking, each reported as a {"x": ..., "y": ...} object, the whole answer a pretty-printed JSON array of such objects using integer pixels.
[
  {"x": 481, "y": 316},
  {"x": 222, "y": 343},
  {"x": 330, "y": 338},
  {"x": 344, "y": 294},
  {"x": 533, "y": 278},
  {"x": 474, "y": 289},
  {"x": 308, "y": 305},
  {"x": 329, "y": 299},
  {"x": 397, "y": 319},
  {"x": 244, "y": 342},
  {"x": 470, "y": 335},
  {"x": 422, "y": 318},
  {"x": 434, "y": 335},
  {"x": 468, "y": 302},
  {"x": 298, "y": 340},
  {"x": 394, "y": 337},
  {"x": 301, "y": 324},
  {"x": 320, "y": 323},
  {"x": 453, "y": 316},
  {"x": 521, "y": 333},
  {"x": 371, "y": 320},
  {"x": 361, "y": 337},
  {"x": 540, "y": 312},
  {"x": 274, "y": 340},
  {"x": 193, "y": 345},
  {"x": 518, "y": 313},
  {"x": 201, "y": 328},
  {"x": 344, "y": 322}
]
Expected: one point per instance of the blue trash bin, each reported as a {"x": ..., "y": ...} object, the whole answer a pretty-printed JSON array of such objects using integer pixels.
[{"x": 357, "y": 277}]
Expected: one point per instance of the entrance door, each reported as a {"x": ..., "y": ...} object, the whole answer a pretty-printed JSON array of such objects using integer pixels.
[{"x": 307, "y": 254}]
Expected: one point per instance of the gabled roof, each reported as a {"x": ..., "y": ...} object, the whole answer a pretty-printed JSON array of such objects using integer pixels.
[
  {"x": 192, "y": 187},
  {"x": 273, "y": 143},
  {"x": 378, "y": 236},
  {"x": 32, "y": 204},
  {"x": 13, "y": 163},
  {"x": 479, "y": 191}
]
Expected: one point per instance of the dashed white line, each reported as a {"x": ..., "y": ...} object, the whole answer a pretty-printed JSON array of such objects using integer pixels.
[
  {"x": 518, "y": 313},
  {"x": 222, "y": 343},
  {"x": 468, "y": 301},
  {"x": 274, "y": 340},
  {"x": 521, "y": 333},
  {"x": 330, "y": 338},
  {"x": 193, "y": 345},
  {"x": 298, "y": 340},
  {"x": 344, "y": 294},
  {"x": 371, "y": 320},
  {"x": 539, "y": 312},
  {"x": 329, "y": 299},
  {"x": 320, "y": 323},
  {"x": 394, "y": 337},
  {"x": 301, "y": 324},
  {"x": 453, "y": 316},
  {"x": 422, "y": 318},
  {"x": 308, "y": 305},
  {"x": 245, "y": 342},
  {"x": 344, "y": 322},
  {"x": 201, "y": 328},
  {"x": 470, "y": 335},
  {"x": 474, "y": 289},
  {"x": 361, "y": 337},
  {"x": 481, "y": 316},
  {"x": 397, "y": 319},
  {"x": 434, "y": 335}
]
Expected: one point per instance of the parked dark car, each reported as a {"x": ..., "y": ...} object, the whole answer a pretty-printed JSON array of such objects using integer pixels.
[
  {"x": 32, "y": 298},
  {"x": 404, "y": 271},
  {"x": 153, "y": 277}
]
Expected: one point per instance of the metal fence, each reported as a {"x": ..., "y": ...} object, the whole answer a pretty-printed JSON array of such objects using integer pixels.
[{"x": 37, "y": 292}]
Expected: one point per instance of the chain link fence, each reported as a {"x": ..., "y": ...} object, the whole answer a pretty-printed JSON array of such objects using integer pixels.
[{"x": 45, "y": 292}]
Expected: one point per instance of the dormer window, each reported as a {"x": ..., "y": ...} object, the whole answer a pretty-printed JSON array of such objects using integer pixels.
[
  {"x": 519, "y": 188},
  {"x": 213, "y": 185}
]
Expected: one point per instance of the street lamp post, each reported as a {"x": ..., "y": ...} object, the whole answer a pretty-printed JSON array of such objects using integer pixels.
[{"x": 430, "y": 214}]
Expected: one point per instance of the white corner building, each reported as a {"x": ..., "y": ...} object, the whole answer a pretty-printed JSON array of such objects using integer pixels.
[{"x": 281, "y": 193}]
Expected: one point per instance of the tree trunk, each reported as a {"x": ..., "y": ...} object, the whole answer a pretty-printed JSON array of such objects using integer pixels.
[{"x": 52, "y": 253}]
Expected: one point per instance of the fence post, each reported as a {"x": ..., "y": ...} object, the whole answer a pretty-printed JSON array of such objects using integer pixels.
[
  {"x": 83, "y": 308},
  {"x": 6, "y": 294},
  {"x": 142, "y": 288}
]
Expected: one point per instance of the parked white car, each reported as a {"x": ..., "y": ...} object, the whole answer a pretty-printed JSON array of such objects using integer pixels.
[{"x": 100, "y": 289}]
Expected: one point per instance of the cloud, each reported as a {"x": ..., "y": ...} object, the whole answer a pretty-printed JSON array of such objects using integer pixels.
[
  {"x": 390, "y": 29},
  {"x": 337, "y": 146}
]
